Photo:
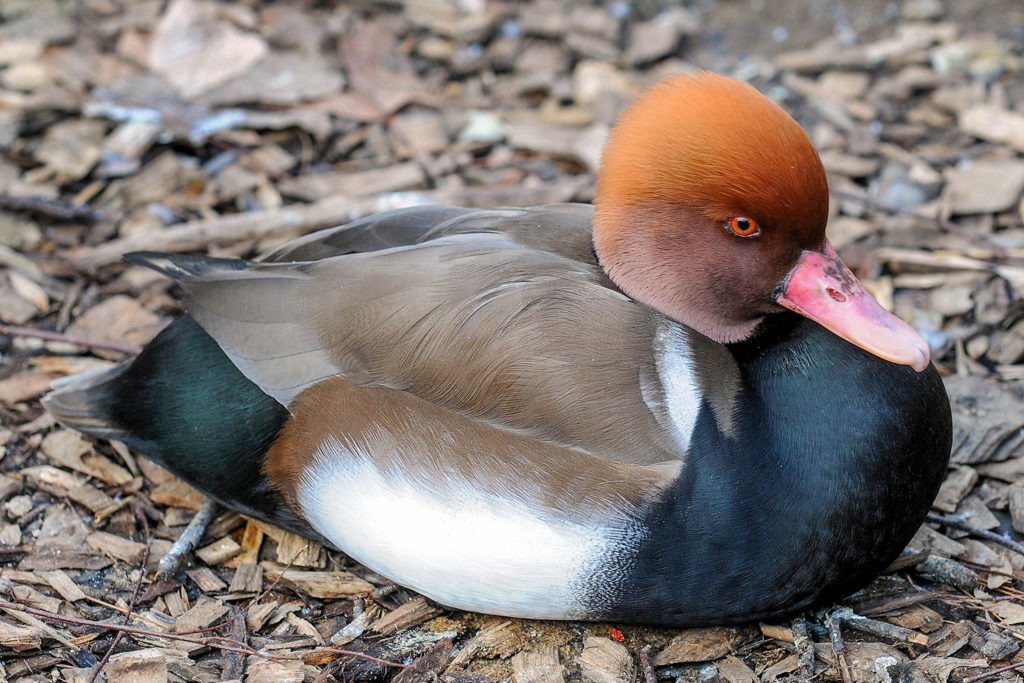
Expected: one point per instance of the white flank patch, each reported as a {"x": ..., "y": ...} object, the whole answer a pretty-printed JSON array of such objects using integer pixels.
[
  {"x": 682, "y": 395},
  {"x": 460, "y": 546}
]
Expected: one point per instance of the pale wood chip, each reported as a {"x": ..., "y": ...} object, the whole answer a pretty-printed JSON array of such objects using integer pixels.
[
  {"x": 994, "y": 124},
  {"x": 1010, "y": 471},
  {"x": 776, "y": 631},
  {"x": 225, "y": 523},
  {"x": 177, "y": 493},
  {"x": 918, "y": 617},
  {"x": 196, "y": 49},
  {"x": 252, "y": 541},
  {"x": 19, "y": 638},
  {"x": 61, "y": 483},
  {"x": 140, "y": 666},
  {"x": 266, "y": 671},
  {"x": 733, "y": 670},
  {"x": 248, "y": 578},
  {"x": 24, "y": 386},
  {"x": 257, "y": 615},
  {"x": 605, "y": 661},
  {"x": 538, "y": 666},
  {"x": 985, "y": 186},
  {"x": 117, "y": 547},
  {"x": 206, "y": 612},
  {"x": 350, "y": 183},
  {"x": 942, "y": 667},
  {"x": 207, "y": 581},
  {"x": 700, "y": 645},
  {"x": 957, "y": 485},
  {"x": 117, "y": 319},
  {"x": 323, "y": 585},
  {"x": 41, "y": 627},
  {"x": 71, "y": 148},
  {"x": 46, "y": 559},
  {"x": 498, "y": 640},
  {"x": 281, "y": 613},
  {"x": 10, "y": 534},
  {"x": 356, "y": 627},
  {"x": 33, "y": 598},
  {"x": 414, "y": 612},
  {"x": 70, "y": 449},
  {"x": 305, "y": 628},
  {"x": 177, "y": 602},
  {"x": 928, "y": 539},
  {"x": 8, "y": 486},
  {"x": 220, "y": 550},
  {"x": 64, "y": 585},
  {"x": 299, "y": 551}
]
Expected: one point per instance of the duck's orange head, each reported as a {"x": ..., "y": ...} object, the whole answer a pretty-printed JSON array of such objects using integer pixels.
[{"x": 711, "y": 207}]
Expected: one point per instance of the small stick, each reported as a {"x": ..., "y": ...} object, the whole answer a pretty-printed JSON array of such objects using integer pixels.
[
  {"x": 804, "y": 648},
  {"x": 993, "y": 672},
  {"x": 898, "y": 603},
  {"x": 881, "y": 628},
  {"x": 361, "y": 655},
  {"x": 46, "y": 335},
  {"x": 54, "y": 209},
  {"x": 199, "y": 234},
  {"x": 1018, "y": 633},
  {"x": 131, "y": 605},
  {"x": 957, "y": 522},
  {"x": 833, "y": 621},
  {"x": 998, "y": 251},
  {"x": 215, "y": 641},
  {"x": 190, "y": 537},
  {"x": 50, "y": 616}
]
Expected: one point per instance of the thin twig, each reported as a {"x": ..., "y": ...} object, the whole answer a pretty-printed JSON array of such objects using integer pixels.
[
  {"x": 993, "y": 672},
  {"x": 47, "y": 335},
  {"x": 1019, "y": 633},
  {"x": 190, "y": 537},
  {"x": 833, "y": 621},
  {"x": 136, "y": 630},
  {"x": 897, "y": 603},
  {"x": 131, "y": 604},
  {"x": 882, "y": 628},
  {"x": 957, "y": 522},
  {"x": 804, "y": 648},
  {"x": 999, "y": 252},
  {"x": 54, "y": 209},
  {"x": 360, "y": 655},
  {"x": 215, "y": 641}
]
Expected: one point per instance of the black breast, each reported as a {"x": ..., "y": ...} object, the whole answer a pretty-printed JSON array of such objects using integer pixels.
[{"x": 837, "y": 458}]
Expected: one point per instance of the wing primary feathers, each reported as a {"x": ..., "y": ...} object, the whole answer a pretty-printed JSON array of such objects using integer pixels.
[{"x": 181, "y": 267}]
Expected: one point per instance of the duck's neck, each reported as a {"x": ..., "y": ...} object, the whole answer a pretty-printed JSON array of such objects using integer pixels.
[{"x": 835, "y": 460}]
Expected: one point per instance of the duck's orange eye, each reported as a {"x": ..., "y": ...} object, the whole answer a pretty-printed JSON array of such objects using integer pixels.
[{"x": 741, "y": 226}]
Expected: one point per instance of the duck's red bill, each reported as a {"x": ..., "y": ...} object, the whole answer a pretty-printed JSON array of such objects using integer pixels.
[{"x": 822, "y": 288}]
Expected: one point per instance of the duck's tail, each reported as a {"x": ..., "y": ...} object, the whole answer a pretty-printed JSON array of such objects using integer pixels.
[
  {"x": 80, "y": 402},
  {"x": 184, "y": 405}
]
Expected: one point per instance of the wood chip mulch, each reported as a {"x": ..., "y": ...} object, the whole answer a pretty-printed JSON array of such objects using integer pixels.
[{"x": 231, "y": 127}]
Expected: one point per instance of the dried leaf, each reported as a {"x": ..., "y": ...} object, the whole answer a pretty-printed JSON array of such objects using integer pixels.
[{"x": 196, "y": 50}]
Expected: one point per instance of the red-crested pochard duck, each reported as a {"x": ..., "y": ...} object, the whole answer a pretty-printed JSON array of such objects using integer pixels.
[{"x": 678, "y": 406}]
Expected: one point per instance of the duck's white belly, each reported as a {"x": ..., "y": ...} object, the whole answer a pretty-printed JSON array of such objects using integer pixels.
[{"x": 459, "y": 545}]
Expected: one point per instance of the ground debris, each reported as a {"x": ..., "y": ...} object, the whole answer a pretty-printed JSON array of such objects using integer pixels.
[{"x": 205, "y": 125}]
